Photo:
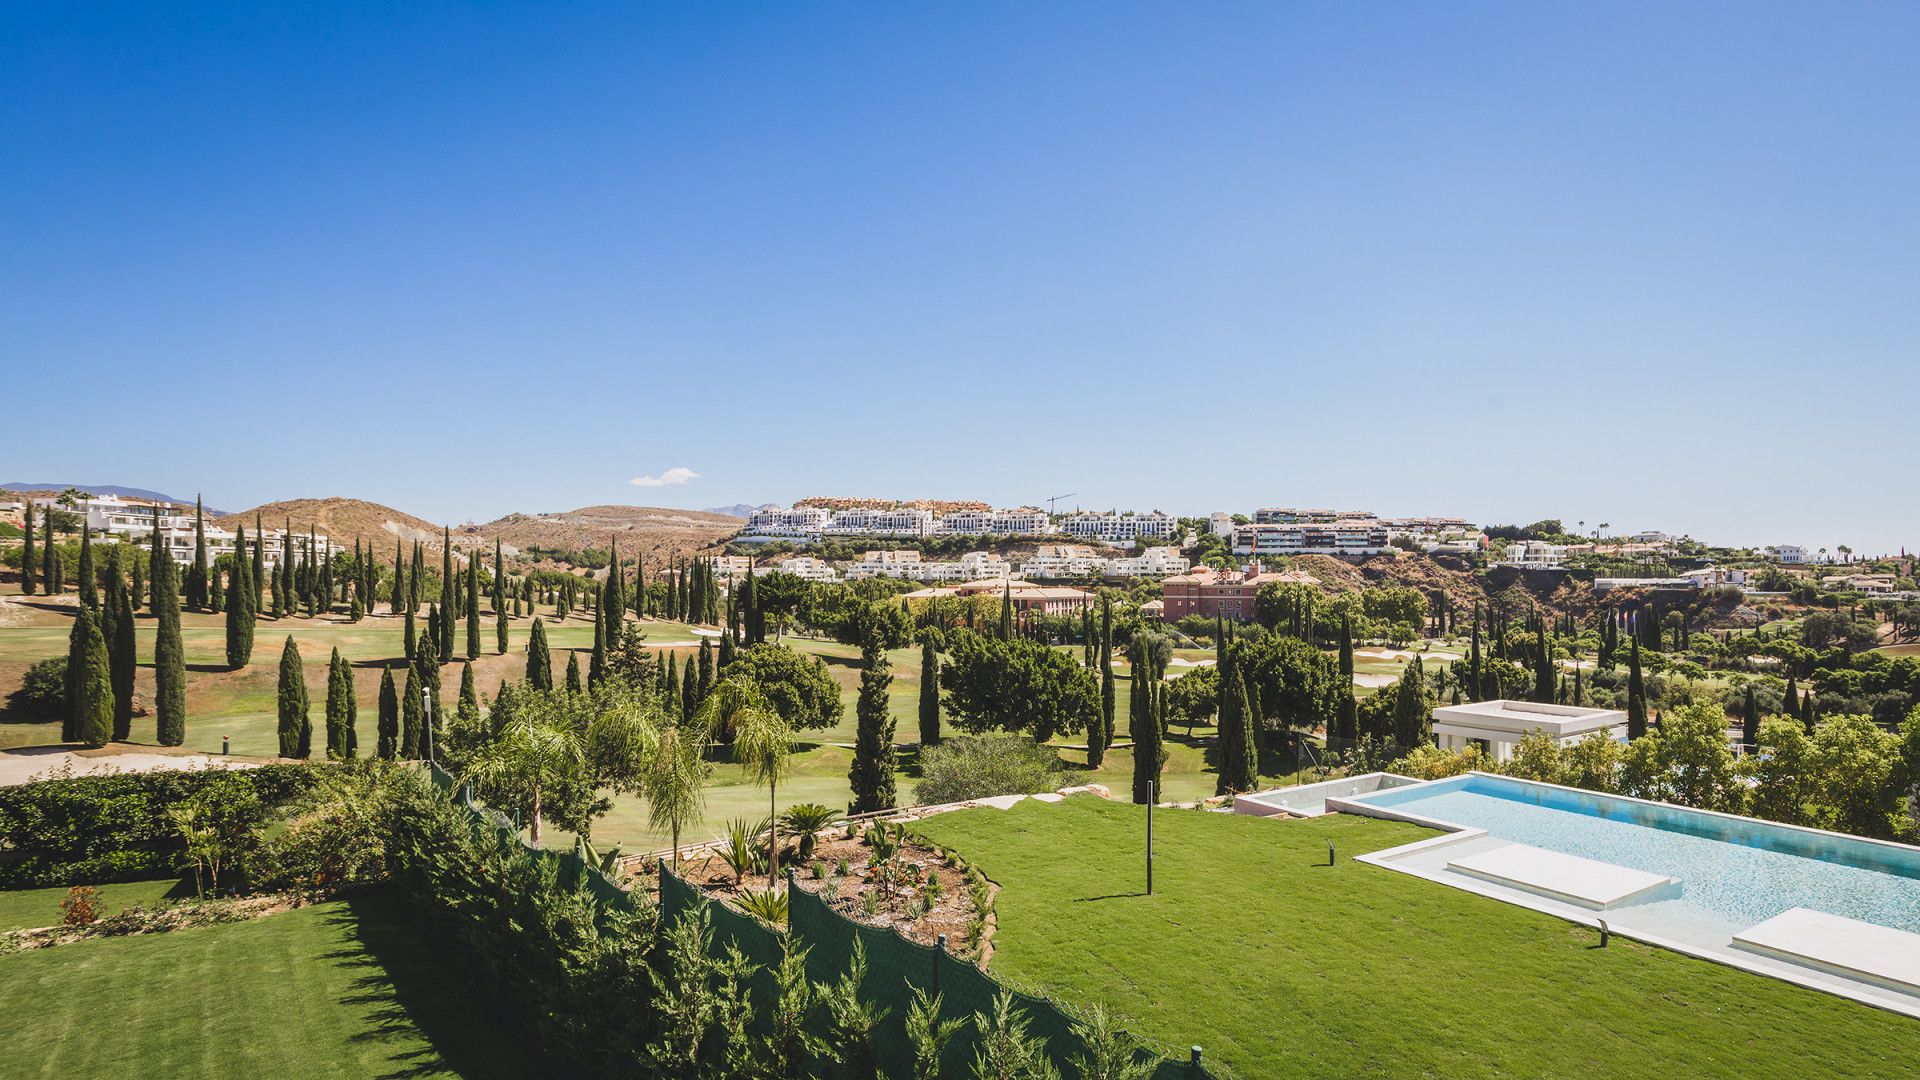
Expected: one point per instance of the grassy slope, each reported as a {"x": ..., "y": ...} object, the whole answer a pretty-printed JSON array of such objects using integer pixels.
[
  {"x": 22, "y": 909},
  {"x": 1280, "y": 965},
  {"x": 342, "y": 989}
]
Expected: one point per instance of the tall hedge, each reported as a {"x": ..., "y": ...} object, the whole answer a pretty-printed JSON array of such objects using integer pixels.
[{"x": 92, "y": 829}]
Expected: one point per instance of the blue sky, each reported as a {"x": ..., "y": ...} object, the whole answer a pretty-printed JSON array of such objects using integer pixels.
[{"x": 1625, "y": 263}]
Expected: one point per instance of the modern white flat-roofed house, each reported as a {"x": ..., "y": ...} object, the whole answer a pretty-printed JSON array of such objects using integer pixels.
[
  {"x": 1120, "y": 528},
  {"x": 1789, "y": 554},
  {"x": 1220, "y": 524},
  {"x": 1534, "y": 555},
  {"x": 1497, "y": 726},
  {"x": 1153, "y": 562}
]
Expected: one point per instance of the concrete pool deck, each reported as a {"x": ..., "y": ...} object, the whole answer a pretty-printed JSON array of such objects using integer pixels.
[
  {"x": 1587, "y": 882},
  {"x": 1866, "y": 962}
]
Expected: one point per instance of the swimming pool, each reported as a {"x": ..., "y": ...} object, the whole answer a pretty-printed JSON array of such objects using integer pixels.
[{"x": 1733, "y": 872}]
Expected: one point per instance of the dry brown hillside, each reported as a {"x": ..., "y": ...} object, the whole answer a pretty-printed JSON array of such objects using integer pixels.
[
  {"x": 341, "y": 519},
  {"x": 649, "y": 531}
]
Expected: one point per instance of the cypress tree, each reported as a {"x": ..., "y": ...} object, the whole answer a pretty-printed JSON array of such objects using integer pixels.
[
  {"x": 398, "y": 600},
  {"x": 469, "y": 708},
  {"x": 411, "y": 641},
  {"x": 387, "y": 725},
  {"x": 930, "y": 704},
  {"x": 1412, "y": 714},
  {"x": 169, "y": 661},
  {"x": 416, "y": 574},
  {"x": 216, "y": 595},
  {"x": 573, "y": 672},
  {"x": 473, "y": 607},
  {"x": 615, "y": 598},
  {"x": 1234, "y": 769},
  {"x": 727, "y": 650},
  {"x": 93, "y": 723},
  {"x": 871, "y": 774},
  {"x": 1006, "y": 612},
  {"x": 445, "y": 629},
  {"x": 121, "y": 654},
  {"x": 292, "y": 702},
  {"x": 56, "y": 568},
  {"x": 539, "y": 662},
  {"x": 1106, "y": 672},
  {"x": 50, "y": 569},
  {"x": 75, "y": 705},
  {"x": 597, "y": 661},
  {"x": 1240, "y": 754},
  {"x": 339, "y": 707},
  {"x": 197, "y": 574},
  {"x": 412, "y": 718},
  {"x": 88, "y": 582},
  {"x": 1636, "y": 694},
  {"x": 138, "y": 594},
  {"x": 1579, "y": 688},
  {"x": 1144, "y": 726},
  {"x": 672, "y": 687},
  {"x": 28, "y": 564},
  {"x": 499, "y": 601},
  {"x": 1348, "y": 720},
  {"x": 240, "y": 610},
  {"x": 1750, "y": 721},
  {"x": 1790, "y": 704},
  {"x": 706, "y": 669},
  {"x": 1543, "y": 673}
]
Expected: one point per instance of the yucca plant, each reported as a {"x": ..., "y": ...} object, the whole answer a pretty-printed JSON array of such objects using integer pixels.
[
  {"x": 742, "y": 853},
  {"x": 767, "y": 905},
  {"x": 805, "y": 821}
]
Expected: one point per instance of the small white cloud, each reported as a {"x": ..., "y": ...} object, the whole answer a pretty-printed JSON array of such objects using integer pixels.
[{"x": 679, "y": 474}]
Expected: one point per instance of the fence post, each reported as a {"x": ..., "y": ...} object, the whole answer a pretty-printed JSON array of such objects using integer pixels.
[
  {"x": 939, "y": 953},
  {"x": 1193, "y": 1063}
]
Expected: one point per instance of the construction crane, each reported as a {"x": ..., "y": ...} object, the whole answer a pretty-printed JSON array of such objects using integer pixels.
[{"x": 1051, "y": 499}]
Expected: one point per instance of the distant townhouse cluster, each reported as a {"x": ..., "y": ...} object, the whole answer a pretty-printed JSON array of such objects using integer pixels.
[
  {"x": 1278, "y": 531},
  {"x": 134, "y": 521},
  {"x": 811, "y": 522}
]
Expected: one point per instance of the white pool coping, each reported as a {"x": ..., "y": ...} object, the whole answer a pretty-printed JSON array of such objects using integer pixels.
[
  {"x": 1801, "y": 972},
  {"x": 1587, "y": 882},
  {"x": 1837, "y": 943}
]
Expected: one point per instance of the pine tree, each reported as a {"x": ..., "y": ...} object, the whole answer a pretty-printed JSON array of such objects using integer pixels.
[
  {"x": 1636, "y": 694},
  {"x": 473, "y": 607},
  {"x": 387, "y": 726},
  {"x": 539, "y": 661},
  {"x": 29, "y": 566},
  {"x": 88, "y": 582},
  {"x": 339, "y": 707},
  {"x": 871, "y": 775},
  {"x": 292, "y": 700},
  {"x": 1348, "y": 720},
  {"x": 197, "y": 574},
  {"x": 169, "y": 661},
  {"x": 93, "y": 724},
  {"x": 930, "y": 699}
]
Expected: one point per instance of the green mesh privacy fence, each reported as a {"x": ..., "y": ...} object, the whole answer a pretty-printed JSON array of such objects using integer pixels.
[{"x": 893, "y": 962}]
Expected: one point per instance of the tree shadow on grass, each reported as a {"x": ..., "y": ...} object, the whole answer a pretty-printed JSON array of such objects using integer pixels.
[{"x": 416, "y": 991}]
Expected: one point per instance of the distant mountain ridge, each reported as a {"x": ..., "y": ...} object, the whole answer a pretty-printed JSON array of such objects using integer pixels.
[
  {"x": 102, "y": 489},
  {"x": 741, "y": 510}
]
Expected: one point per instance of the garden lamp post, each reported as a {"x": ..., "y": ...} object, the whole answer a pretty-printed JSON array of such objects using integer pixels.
[{"x": 426, "y": 712}]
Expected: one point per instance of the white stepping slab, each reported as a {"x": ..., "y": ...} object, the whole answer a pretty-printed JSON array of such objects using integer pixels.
[
  {"x": 1587, "y": 882},
  {"x": 1838, "y": 944}
]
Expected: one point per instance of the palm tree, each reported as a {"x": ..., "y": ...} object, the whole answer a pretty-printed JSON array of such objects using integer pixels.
[
  {"x": 532, "y": 752},
  {"x": 762, "y": 744},
  {"x": 675, "y": 783}
]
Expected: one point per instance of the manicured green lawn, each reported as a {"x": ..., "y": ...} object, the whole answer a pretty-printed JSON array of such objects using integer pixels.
[
  {"x": 22, "y": 909},
  {"x": 341, "y": 989},
  {"x": 1279, "y": 965}
]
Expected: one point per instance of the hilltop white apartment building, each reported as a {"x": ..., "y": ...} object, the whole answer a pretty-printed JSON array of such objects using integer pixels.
[
  {"x": 805, "y": 567},
  {"x": 1117, "y": 528},
  {"x": 812, "y": 521},
  {"x": 1354, "y": 538},
  {"x": 909, "y": 566}
]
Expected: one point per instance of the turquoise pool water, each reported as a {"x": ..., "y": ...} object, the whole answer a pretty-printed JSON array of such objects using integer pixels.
[{"x": 1738, "y": 870}]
